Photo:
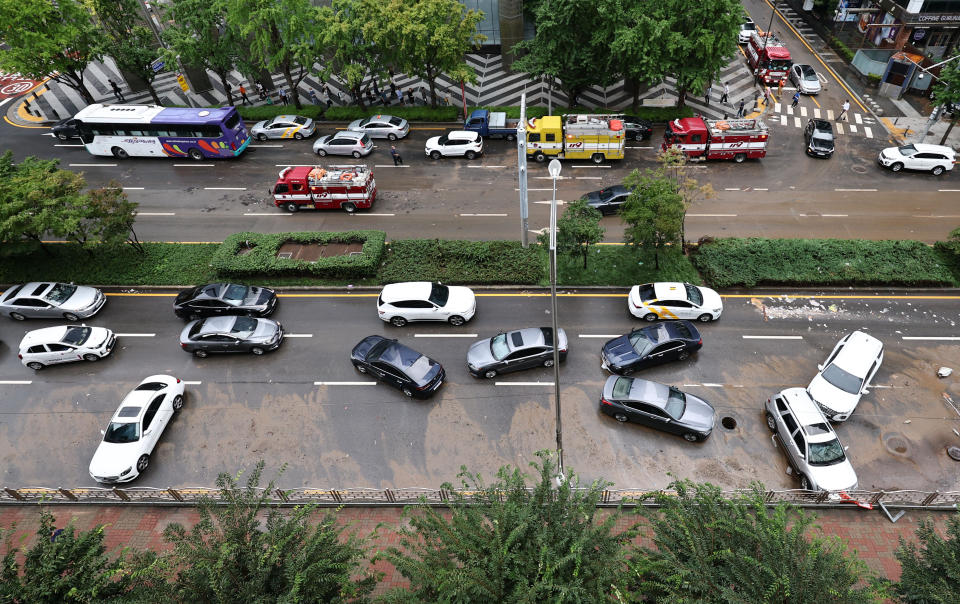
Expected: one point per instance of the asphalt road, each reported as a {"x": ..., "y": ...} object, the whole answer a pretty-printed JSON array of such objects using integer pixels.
[{"x": 243, "y": 408}]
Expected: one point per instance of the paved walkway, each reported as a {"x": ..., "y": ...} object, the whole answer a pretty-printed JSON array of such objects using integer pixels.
[{"x": 870, "y": 533}]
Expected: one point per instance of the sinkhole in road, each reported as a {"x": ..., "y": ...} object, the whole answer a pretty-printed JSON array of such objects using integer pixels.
[
  {"x": 896, "y": 443},
  {"x": 728, "y": 422}
]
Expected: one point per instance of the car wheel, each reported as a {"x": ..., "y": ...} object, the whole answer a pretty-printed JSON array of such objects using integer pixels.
[
  {"x": 470, "y": 154},
  {"x": 548, "y": 362},
  {"x": 349, "y": 208},
  {"x": 620, "y": 417},
  {"x": 35, "y": 365},
  {"x": 177, "y": 403},
  {"x": 407, "y": 391},
  {"x": 143, "y": 463},
  {"x": 69, "y": 316},
  {"x": 805, "y": 483},
  {"x": 937, "y": 170},
  {"x": 261, "y": 137},
  {"x": 62, "y": 136},
  {"x": 391, "y": 137},
  {"x": 291, "y": 207},
  {"x": 739, "y": 157},
  {"x": 360, "y": 368},
  {"x": 539, "y": 157},
  {"x": 683, "y": 356},
  {"x": 456, "y": 320},
  {"x": 691, "y": 437},
  {"x": 896, "y": 167},
  {"x": 91, "y": 358},
  {"x": 705, "y": 318},
  {"x": 321, "y": 153},
  {"x": 195, "y": 154},
  {"x": 17, "y": 316},
  {"x": 119, "y": 153},
  {"x": 511, "y": 137},
  {"x": 771, "y": 423},
  {"x": 490, "y": 374},
  {"x": 398, "y": 321},
  {"x": 200, "y": 353},
  {"x": 298, "y": 136},
  {"x": 651, "y": 317},
  {"x": 257, "y": 350},
  {"x": 434, "y": 155},
  {"x": 597, "y": 158},
  {"x": 356, "y": 155}
]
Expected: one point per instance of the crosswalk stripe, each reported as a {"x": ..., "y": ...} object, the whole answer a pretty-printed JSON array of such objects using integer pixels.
[
  {"x": 783, "y": 120},
  {"x": 857, "y": 118},
  {"x": 830, "y": 114},
  {"x": 853, "y": 128},
  {"x": 839, "y": 128},
  {"x": 868, "y": 131},
  {"x": 803, "y": 111},
  {"x": 816, "y": 113},
  {"x": 796, "y": 122}
]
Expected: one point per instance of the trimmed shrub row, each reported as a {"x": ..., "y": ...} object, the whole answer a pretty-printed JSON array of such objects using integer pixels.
[
  {"x": 834, "y": 262},
  {"x": 261, "y": 259},
  {"x": 478, "y": 262},
  {"x": 417, "y": 113},
  {"x": 264, "y": 112}
]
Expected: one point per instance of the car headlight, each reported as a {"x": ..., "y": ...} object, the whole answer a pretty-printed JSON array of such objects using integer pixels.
[
  {"x": 127, "y": 471},
  {"x": 717, "y": 309}
]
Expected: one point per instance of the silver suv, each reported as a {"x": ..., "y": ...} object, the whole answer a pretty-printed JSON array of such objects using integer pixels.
[
  {"x": 344, "y": 142},
  {"x": 811, "y": 445}
]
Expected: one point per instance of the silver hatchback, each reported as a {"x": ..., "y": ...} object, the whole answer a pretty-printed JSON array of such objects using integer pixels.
[
  {"x": 47, "y": 300},
  {"x": 345, "y": 142}
]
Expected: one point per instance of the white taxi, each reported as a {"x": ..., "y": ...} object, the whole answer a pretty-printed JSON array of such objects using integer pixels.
[
  {"x": 65, "y": 344},
  {"x": 666, "y": 300}
]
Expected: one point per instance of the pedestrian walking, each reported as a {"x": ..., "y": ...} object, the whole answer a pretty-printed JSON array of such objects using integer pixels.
[
  {"x": 843, "y": 113},
  {"x": 780, "y": 88},
  {"x": 376, "y": 89},
  {"x": 384, "y": 98},
  {"x": 393, "y": 89},
  {"x": 726, "y": 91},
  {"x": 260, "y": 90},
  {"x": 743, "y": 101},
  {"x": 767, "y": 98},
  {"x": 116, "y": 91},
  {"x": 397, "y": 160},
  {"x": 243, "y": 94},
  {"x": 410, "y": 95},
  {"x": 399, "y": 94},
  {"x": 282, "y": 93},
  {"x": 328, "y": 100},
  {"x": 369, "y": 97},
  {"x": 706, "y": 95},
  {"x": 796, "y": 99},
  {"x": 313, "y": 97}
]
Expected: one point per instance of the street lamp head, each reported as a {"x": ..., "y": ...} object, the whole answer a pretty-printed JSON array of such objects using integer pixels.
[{"x": 554, "y": 168}]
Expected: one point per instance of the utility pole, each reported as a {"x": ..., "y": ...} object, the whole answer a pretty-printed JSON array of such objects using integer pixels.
[
  {"x": 522, "y": 170},
  {"x": 554, "y": 169}
]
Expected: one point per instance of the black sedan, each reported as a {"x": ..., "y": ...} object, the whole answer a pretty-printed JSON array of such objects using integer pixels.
[
  {"x": 225, "y": 299},
  {"x": 65, "y": 129},
  {"x": 391, "y": 362},
  {"x": 652, "y": 345},
  {"x": 636, "y": 128},
  {"x": 515, "y": 350},
  {"x": 215, "y": 335},
  {"x": 608, "y": 200},
  {"x": 819, "y": 138},
  {"x": 658, "y": 406}
]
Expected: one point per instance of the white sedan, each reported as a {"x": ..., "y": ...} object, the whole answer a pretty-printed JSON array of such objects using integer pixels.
[
  {"x": 846, "y": 375},
  {"x": 135, "y": 429},
  {"x": 665, "y": 300},
  {"x": 400, "y": 303},
  {"x": 65, "y": 344}
]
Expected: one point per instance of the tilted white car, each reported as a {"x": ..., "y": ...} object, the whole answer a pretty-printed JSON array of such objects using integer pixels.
[
  {"x": 65, "y": 344},
  {"x": 846, "y": 375},
  {"x": 665, "y": 300},
  {"x": 456, "y": 143},
  {"x": 400, "y": 303},
  {"x": 124, "y": 453}
]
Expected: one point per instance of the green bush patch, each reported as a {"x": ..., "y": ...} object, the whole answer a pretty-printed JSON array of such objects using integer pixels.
[
  {"x": 411, "y": 114},
  {"x": 476, "y": 262},
  {"x": 835, "y": 262},
  {"x": 621, "y": 265},
  {"x": 264, "y": 112}
]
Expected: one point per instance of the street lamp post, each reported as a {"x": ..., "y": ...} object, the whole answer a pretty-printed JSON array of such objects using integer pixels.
[{"x": 554, "y": 169}]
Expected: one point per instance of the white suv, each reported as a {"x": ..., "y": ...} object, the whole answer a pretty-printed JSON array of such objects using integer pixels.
[
  {"x": 846, "y": 375},
  {"x": 456, "y": 143},
  {"x": 811, "y": 445},
  {"x": 400, "y": 303},
  {"x": 918, "y": 156},
  {"x": 64, "y": 344}
]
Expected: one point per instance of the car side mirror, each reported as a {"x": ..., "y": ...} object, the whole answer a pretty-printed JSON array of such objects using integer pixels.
[
  {"x": 103, "y": 433},
  {"x": 820, "y": 367},
  {"x": 865, "y": 391}
]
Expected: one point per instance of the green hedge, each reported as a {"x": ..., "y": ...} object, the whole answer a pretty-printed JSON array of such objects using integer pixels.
[
  {"x": 620, "y": 265},
  {"x": 264, "y": 112},
  {"x": 411, "y": 114},
  {"x": 449, "y": 261},
  {"x": 828, "y": 262},
  {"x": 262, "y": 262}
]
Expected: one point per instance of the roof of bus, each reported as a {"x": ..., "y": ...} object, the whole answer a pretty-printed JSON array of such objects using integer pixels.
[
  {"x": 153, "y": 113},
  {"x": 186, "y": 115}
]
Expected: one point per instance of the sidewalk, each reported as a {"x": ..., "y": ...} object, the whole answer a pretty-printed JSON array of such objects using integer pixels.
[{"x": 868, "y": 532}]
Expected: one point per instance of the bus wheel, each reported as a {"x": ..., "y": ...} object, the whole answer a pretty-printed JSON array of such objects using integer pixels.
[
  {"x": 349, "y": 208},
  {"x": 739, "y": 157},
  {"x": 290, "y": 207},
  {"x": 195, "y": 154},
  {"x": 597, "y": 158},
  {"x": 119, "y": 153}
]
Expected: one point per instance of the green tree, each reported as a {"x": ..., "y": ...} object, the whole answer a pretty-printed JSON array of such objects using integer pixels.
[
  {"x": 230, "y": 555},
  {"x": 427, "y": 38},
  {"x": 715, "y": 549},
  {"x": 105, "y": 217},
  {"x": 636, "y": 45},
  {"x": 50, "y": 39},
  {"x": 673, "y": 164},
  {"x": 125, "y": 38},
  {"x": 577, "y": 229},
  {"x": 66, "y": 565},
  {"x": 572, "y": 42},
  {"x": 653, "y": 213},
  {"x": 947, "y": 90},
  {"x": 509, "y": 543},
  {"x": 345, "y": 30},
  {"x": 201, "y": 35},
  {"x": 930, "y": 568}
]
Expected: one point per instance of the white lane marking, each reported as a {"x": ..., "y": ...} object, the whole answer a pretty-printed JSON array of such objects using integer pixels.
[
  {"x": 713, "y": 215},
  {"x": 597, "y": 335},
  {"x": 17, "y": 382},
  {"x": 92, "y": 165},
  {"x": 196, "y": 383},
  {"x": 523, "y": 383},
  {"x": 796, "y": 121},
  {"x": 839, "y": 128},
  {"x": 132, "y": 188},
  {"x": 593, "y": 167},
  {"x": 712, "y": 385},
  {"x": 344, "y": 383},
  {"x": 267, "y": 214},
  {"x": 777, "y": 108},
  {"x": 853, "y": 128},
  {"x": 369, "y": 214},
  {"x": 732, "y": 189},
  {"x": 560, "y": 202},
  {"x": 948, "y": 190},
  {"x": 224, "y": 188},
  {"x": 156, "y": 213},
  {"x": 390, "y": 166},
  {"x": 193, "y": 165},
  {"x": 589, "y": 178},
  {"x": 868, "y": 131},
  {"x": 627, "y": 147},
  {"x": 935, "y": 338},
  {"x": 855, "y": 190},
  {"x": 830, "y": 114},
  {"x": 783, "y": 120},
  {"x": 834, "y": 215},
  {"x": 516, "y": 189},
  {"x": 759, "y": 189},
  {"x": 473, "y": 166},
  {"x": 549, "y": 178},
  {"x": 816, "y": 112},
  {"x": 482, "y": 215},
  {"x": 444, "y": 335},
  {"x": 772, "y": 337},
  {"x": 298, "y": 335},
  {"x": 134, "y": 335},
  {"x": 295, "y": 165},
  {"x": 266, "y": 146},
  {"x": 937, "y": 216}
]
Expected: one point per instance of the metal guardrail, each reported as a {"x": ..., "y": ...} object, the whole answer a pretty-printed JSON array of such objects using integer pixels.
[{"x": 412, "y": 495}]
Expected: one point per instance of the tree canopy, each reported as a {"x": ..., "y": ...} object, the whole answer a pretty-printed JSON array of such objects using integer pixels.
[
  {"x": 930, "y": 568},
  {"x": 653, "y": 213},
  {"x": 132, "y": 44},
  {"x": 577, "y": 229}
]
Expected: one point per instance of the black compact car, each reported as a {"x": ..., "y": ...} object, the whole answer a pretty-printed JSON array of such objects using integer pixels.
[
  {"x": 819, "y": 138},
  {"x": 636, "y": 128},
  {"x": 225, "y": 299},
  {"x": 65, "y": 129},
  {"x": 658, "y": 406},
  {"x": 391, "y": 362},
  {"x": 608, "y": 200},
  {"x": 515, "y": 350},
  {"x": 236, "y": 333},
  {"x": 652, "y": 345}
]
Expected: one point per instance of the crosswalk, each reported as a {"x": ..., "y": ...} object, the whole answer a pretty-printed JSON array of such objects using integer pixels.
[{"x": 856, "y": 123}]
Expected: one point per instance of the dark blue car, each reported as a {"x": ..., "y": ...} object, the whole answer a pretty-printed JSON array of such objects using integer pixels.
[{"x": 651, "y": 345}]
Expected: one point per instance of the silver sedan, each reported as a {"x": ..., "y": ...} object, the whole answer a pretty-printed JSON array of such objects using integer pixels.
[
  {"x": 45, "y": 300},
  {"x": 806, "y": 79},
  {"x": 284, "y": 126},
  {"x": 382, "y": 126}
]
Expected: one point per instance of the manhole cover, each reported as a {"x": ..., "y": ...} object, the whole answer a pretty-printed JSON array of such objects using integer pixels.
[
  {"x": 954, "y": 453},
  {"x": 728, "y": 422},
  {"x": 897, "y": 444},
  {"x": 859, "y": 169}
]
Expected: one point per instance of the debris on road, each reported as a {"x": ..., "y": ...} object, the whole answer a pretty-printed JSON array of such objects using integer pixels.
[{"x": 944, "y": 372}]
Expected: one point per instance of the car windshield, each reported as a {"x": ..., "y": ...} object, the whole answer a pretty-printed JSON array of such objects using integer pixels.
[
  {"x": 439, "y": 294},
  {"x": 235, "y": 293},
  {"x": 621, "y": 388},
  {"x": 443, "y": 140},
  {"x": 693, "y": 294},
  {"x": 60, "y": 292},
  {"x": 641, "y": 343},
  {"x": 122, "y": 432},
  {"x": 842, "y": 379},
  {"x": 676, "y": 403},
  {"x": 300, "y": 120},
  {"x": 646, "y": 292},
  {"x": 827, "y": 453},
  {"x": 907, "y": 150},
  {"x": 808, "y": 73},
  {"x": 243, "y": 325},
  {"x": 395, "y": 121},
  {"x": 76, "y": 335},
  {"x": 366, "y": 121},
  {"x": 499, "y": 347}
]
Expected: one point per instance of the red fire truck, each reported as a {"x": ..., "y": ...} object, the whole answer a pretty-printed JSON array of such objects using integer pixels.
[
  {"x": 768, "y": 57},
  {"x": 348, "y": 188},
  {"x": 701, "y": 139}
]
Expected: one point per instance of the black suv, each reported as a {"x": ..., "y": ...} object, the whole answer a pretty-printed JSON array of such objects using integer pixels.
[
  {"x": 819, "y": 138},
  {"x": 225, "y": 299},
  {"x": 414, "y": 374},
  {"x": 65, "y": 129}
]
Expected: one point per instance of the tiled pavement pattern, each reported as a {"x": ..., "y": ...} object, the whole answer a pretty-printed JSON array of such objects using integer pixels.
[{"x": 868, "y": 532}]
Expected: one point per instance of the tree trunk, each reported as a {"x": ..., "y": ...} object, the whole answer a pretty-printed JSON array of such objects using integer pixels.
[
  {"x": 585, "y": 253},
  {"x": 75, "y": 81},
  {"x": 953, "y": 122},
  {"x": 433, "y": 93},
  {"x": 656, "y": 259},
  {"x": 226, "y": 86},
  {"x": 571, "y": 97},
  {"x": 358, "y": 96},
  {"x": 153, "y": 93},
  {"x": 681, "y": 97},
  {"x": 288, "y": 76},
  {"x": 134, "y": 240}
]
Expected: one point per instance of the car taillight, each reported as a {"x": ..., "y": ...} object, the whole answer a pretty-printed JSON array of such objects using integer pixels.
[
  {"x": 604, "y": 401},
  {"x": 182, "y": 345},
  {"x": 178, "y": 380},
  {"x": 20, "y": 356},
  {"x": 563, "y": 350},
  {"x": 700, "y": 342}
]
